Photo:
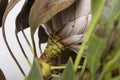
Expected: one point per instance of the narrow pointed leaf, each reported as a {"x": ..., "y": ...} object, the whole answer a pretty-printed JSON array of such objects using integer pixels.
[
  {"x": 68, "y": 73},
  {"x": 95, "y": 49},
  {"x": 3, "y": 5},
  {"x": 2, "y": 77},
  {"x": 42, "y": 11},
  {"x": 22, "y": 20},
  {"x": 35, "y": 72}
]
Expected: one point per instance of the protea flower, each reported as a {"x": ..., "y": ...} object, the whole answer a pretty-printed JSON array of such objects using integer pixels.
[
  {"x": 65, "y": 31},
  {"x": 63, "y": 25}
]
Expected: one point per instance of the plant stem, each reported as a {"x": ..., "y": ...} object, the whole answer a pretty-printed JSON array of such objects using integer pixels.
[
  {"x": 30, "y": 46},
  {"x": 34, "y": 46},
  {"x": 57, "y": 67},
  {"x": 26, "y": 38},
  {"x": 55, "y": 76},
  {"x": 79, "y": 56},
  {"x": 83, "y": 69},
  {"x": 32, "y": 50},
  {"x": 61, "y": 67},
  {"x": 27, "y": 59}
]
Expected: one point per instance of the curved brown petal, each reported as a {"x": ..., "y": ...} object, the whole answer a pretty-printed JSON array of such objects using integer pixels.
[
  {"x": 69, "y": 14},
  {"x": 10, "y": 6},
  {"x": 22, "y": 20},
  {"x": 75, "y": 47},
  {"x": 81, "y": 24},
  {"x": 2, "y": 77},
  {"x": 70, "y": 22},
  {"x": 76, "y": 27},
  {"x": 83, "y": 8},
  {"x": 78, "y": 9},
  {"x": 74, "y": 39},
  {"x": 42, "y": 11},
  {"x": 57, "y": 21},
  {"x": 3, "y": 5},
  {"x": 49, "y": 26},
  {"x": 66, "y": 31}
]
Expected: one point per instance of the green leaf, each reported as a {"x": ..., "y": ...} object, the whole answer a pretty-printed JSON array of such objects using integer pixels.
[
  {"x": 95, "y": 49},
  {"x": 35, "y": 73},
  {"x": 97, "y": 6},
  {"x": 111, "y": 9},
  {"x": 114, "y": 63},
  {"x": 42, "y": 11},
  {"x": 110, "y": 14},
  {"x": 68, "y": 73},
  {"x": 113, "y": 22}
]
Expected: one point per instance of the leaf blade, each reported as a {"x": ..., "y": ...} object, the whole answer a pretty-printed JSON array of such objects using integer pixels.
[
  {"x": 114, "y": 63},
  {"x": 35, "y": 73},
  {"x": 68, "y": 73},
  {"x": 95, "y": 48}
]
